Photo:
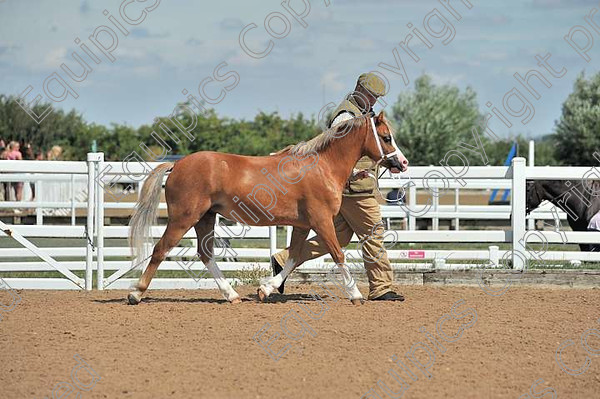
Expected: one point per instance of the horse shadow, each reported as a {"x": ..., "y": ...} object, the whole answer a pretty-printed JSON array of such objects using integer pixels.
[
  {"x": 274, "y": 298},
  {"x": 284, "y": 298},
  {"x": 167, "y": 300}
]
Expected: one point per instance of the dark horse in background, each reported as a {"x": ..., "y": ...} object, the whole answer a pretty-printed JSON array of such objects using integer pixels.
[{"x": 571, "y": 196}]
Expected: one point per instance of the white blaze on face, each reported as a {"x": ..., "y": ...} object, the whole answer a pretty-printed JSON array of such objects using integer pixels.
[
  {"x": 401, "y": 158},
  {"x": 396, "y": 153}
]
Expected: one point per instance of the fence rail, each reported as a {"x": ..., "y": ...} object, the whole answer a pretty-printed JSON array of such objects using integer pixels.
[{"x": 90, "y": 253}]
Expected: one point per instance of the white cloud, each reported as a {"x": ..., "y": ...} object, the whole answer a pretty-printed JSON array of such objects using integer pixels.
[
  {"x": 331, "y": 81},
  {"x": 54, "y": 58},
  {"x": 494, "y": 56},
  {"x": 440, "y": 79}
]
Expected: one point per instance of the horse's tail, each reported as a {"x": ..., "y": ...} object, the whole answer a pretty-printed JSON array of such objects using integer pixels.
[{"x": 144, "y": 215}]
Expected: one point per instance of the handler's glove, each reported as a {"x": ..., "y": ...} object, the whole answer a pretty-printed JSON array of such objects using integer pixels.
[{"x": 361, "y": 174}]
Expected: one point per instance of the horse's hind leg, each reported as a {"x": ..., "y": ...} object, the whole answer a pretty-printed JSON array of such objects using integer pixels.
[
  {"x": 205, "y": 232},
  {"x": 173, "y": 234}
]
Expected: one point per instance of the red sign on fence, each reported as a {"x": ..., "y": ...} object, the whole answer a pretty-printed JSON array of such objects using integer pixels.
[{"x": 416, "y": 254}]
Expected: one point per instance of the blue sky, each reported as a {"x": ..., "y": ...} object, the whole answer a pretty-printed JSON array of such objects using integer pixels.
[{"x": 180, "y": 44}]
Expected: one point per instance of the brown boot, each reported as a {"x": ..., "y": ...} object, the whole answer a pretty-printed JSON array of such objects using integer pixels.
[{"x": 389, "y": 296}]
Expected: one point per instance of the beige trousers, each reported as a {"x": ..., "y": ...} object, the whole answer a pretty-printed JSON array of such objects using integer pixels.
[{"x": 360, "y": 215}]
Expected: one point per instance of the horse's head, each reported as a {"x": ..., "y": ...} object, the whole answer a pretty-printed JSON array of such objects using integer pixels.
[
  {"x": 380, "y": 145},
  {"x": 535, "y": 195}
]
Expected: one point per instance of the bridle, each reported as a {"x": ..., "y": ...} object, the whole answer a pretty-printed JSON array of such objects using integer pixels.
[{"x": 384, "y": 157}]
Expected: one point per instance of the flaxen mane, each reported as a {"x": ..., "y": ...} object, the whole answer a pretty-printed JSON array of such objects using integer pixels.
[{"x": 322, "y": 141}]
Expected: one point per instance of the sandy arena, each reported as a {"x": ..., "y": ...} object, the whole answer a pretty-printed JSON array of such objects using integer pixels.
[{"x": 191, "y": 344}]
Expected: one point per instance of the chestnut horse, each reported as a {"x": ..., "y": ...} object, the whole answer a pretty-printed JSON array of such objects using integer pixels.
[{"x": 307, "y": 195}]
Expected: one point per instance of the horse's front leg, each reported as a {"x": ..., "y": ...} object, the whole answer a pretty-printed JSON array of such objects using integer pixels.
[
  {"x": 298, "y": 239},
  {"x": 326, "y": 230}
]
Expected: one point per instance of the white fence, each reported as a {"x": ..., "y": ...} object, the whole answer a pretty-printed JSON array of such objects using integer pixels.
[{"x": 90, "y": 254}]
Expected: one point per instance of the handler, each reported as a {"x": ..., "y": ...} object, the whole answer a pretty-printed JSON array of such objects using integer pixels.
[
  {"x": 359, "y": 212},
  {"x": 594, "y": 225}
]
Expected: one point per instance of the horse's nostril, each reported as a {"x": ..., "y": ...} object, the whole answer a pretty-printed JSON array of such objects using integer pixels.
[{"x": 405, "y": 162}]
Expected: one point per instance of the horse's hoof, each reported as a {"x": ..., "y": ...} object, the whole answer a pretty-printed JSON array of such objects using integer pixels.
[
  {"x": 236, "y": 301},
  {"x": 358, "y": 301},
  {"x": 134, "y": 297},
  {"x": 261, "y": 295}
]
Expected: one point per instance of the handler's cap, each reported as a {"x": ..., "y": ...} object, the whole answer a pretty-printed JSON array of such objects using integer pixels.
[{"x": 372, "y": 83}]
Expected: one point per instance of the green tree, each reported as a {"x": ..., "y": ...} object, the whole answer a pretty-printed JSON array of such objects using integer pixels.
[
  {"x": 262, "y": 135},
  {"x": 433, "y": 119},
  {"x": 545, "y": 151},
  {"x": 119, "y": 141},
  {"x": 497, "y": 150},
  {"x": 68, "y": 130},
  {"x": 577, "y": 133}
]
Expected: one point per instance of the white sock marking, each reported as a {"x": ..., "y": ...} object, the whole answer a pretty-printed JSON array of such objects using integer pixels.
[
  {"x": 274, "y": 282},
  {"x": 349, "y": 283},
  {"x": 224, "y": 286}
]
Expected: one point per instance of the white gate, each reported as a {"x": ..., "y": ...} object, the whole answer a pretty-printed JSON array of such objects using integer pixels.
[
  {"x": 40, "y": 172},
  {"x": 100, "y": 177}
]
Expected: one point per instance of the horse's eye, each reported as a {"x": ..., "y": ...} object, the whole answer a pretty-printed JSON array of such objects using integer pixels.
[{"x": 387, "y": 139}]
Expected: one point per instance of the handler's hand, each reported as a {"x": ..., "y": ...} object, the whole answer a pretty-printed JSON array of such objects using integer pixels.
[{"x": 363, "y": 174}]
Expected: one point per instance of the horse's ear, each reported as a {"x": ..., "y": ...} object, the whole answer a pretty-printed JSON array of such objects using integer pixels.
[{"x": 381, "y": 116}]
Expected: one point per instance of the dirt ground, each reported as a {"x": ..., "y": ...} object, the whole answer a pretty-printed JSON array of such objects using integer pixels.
[{"x": 191, "y": 344}]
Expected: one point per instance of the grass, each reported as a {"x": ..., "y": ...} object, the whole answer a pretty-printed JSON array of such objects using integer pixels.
[{"x": 251, "y": 275}]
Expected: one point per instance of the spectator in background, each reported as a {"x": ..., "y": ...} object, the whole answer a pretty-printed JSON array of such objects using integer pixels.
[
  {"x": 14, "y": 151},
  {"x": 29, "y": 156},
  {"x": 13, "y": 154},
  {"x": 396, "y": 197},
  {"x": 3, "y": 156},
  {"x": 5, "y": 185},
  {"x": 55, "y": 153}
]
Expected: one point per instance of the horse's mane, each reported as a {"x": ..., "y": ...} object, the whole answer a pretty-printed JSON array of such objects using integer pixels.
[{"x": 322, "y": 141}]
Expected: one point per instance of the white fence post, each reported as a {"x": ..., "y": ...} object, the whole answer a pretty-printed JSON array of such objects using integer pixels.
[
  {"x": 493, "y": 255},
  {"x": 100, "y": 223},
  {"x": 456, "y": 204},
  {"x": 531, "y": 153},
  {"x": 72, "y": 200},
  {"x": 435, "y": 223},
  {"x": 518, "y": 212},
  {"x": 89, "y": 232},
  {"x": 39, "y": 212},
  {"x": 531, "y": 162},
  {"x": 272, "y": 240},
  {"x": 412, "y": 199}
]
